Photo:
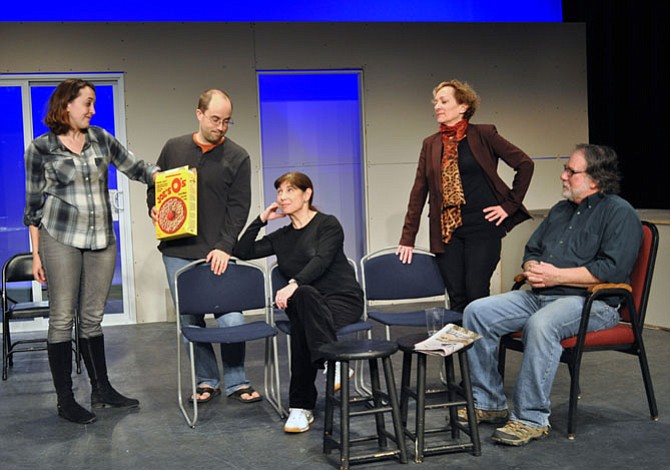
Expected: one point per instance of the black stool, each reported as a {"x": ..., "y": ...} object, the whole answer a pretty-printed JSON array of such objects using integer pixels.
[
  {"x": 377, "y": 404},
  {"x": 458, "y": 395}
]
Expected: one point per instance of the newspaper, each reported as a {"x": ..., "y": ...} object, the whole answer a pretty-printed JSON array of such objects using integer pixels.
[{"x": 447, "y": 341}]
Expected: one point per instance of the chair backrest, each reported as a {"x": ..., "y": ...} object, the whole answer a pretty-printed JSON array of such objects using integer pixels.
[
  {"x": 643, "y": 270},
  {"x": 385, "y": 277},
  {"x": 18, "y": 268},
  {"x": 199, "y": 291}
]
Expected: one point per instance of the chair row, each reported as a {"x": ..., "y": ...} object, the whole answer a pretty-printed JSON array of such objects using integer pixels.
[
  {"x": 244, "y": 286},
  {"x": 384, "y": 278}
]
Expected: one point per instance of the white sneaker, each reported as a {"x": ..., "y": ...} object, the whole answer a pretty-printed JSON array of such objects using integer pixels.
[
  {"x": 298, "y": 420},
  {"x": 338, "y": 375}
]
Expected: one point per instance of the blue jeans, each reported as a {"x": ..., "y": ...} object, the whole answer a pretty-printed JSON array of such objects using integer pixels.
[
  {"x": 232, "y": 355},
  {"x": 545, "y": 321}
]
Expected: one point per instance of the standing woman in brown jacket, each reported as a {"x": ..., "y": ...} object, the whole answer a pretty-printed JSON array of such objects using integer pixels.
[{"x": 470, "y": 206}]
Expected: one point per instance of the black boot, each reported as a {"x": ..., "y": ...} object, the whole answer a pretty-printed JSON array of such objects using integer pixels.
[
  {"x": 102, "y": 392},
  {"x": 60, "y": 363}
]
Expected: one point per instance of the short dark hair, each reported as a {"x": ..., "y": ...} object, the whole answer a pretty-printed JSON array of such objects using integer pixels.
[
  {"x": 300, "y": 181},
  {"x": 206, "y": 98},
  {"x": 602, "y": 165},
  {"x": 57, "y": 118}
]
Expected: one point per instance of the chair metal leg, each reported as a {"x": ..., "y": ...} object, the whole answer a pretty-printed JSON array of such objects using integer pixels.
[
  {"x": 271, "y": 380},
  {"x": 359, "y": 374},
  {"x": 190, "y": 420},
  {"x": 646, "y": 378}
]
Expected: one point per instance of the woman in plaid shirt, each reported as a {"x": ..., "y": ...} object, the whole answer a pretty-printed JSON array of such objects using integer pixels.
[{"x": 69, "y": 217}]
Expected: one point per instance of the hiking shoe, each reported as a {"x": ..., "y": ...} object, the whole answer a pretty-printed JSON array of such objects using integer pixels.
[
  {"x": 516, "y": 433},
  {"x": 484, "y": 416},
  {"x": 338, "y": 375},
  {"x": 298, "y": 420}
]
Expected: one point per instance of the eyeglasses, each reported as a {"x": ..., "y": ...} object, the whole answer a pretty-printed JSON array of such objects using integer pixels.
[
  {"x": 571, "y": 172},
  {"x": 217, "y": 121}
]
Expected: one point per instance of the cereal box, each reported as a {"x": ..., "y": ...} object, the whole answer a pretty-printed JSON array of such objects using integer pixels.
[{"x": 177, "y": 203}]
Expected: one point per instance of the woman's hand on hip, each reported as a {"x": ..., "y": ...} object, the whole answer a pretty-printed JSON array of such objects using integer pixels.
[{"x": 495, "y": 214}]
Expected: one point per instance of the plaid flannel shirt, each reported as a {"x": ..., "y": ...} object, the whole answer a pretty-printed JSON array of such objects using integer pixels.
[{"x": 67, "y": 194}]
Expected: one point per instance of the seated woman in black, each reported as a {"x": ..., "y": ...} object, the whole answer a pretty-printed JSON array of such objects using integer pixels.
[{"x": 322, "y": 294}]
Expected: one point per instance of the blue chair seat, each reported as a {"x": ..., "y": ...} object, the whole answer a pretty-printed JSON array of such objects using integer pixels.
[
  {"x": 283, "y": 324},
  {"x": 232, "y": 334},
  {"x": 414, "y": 318},
  {"x": 29, "y": 310},
  {"x": 354, "y": 328}
]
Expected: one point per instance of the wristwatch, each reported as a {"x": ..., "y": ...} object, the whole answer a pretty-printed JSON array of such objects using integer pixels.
[{"x": 293, "y": 281}]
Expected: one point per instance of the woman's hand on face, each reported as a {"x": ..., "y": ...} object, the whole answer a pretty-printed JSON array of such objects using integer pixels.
[
  {"x": 271, "y": 213},
  {"x": 405, "y": 253},
  {"x": 495, "y": 214},
  {"x": 284, "y": 294}
]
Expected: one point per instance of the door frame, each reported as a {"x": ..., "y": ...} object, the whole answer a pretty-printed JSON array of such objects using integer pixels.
[{"x": 122, "y": 198}]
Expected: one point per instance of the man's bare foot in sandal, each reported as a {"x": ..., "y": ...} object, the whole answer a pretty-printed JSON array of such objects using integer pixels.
[
  {"x": 246, "y": 395},
  {"x": 205, "y": 393}
]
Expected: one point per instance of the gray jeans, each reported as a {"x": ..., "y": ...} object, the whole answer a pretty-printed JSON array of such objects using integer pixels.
[{"x": 78, "y": 279}]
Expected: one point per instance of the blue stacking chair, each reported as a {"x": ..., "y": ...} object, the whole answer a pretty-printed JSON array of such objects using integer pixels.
[
  {"x": 283, "y": 324},
  {"x": 242, "y": 287},
  {"x": 385, "y": 278}
]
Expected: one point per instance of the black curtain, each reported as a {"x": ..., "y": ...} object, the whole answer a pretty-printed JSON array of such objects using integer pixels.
[{"x": 627, "y": 48}]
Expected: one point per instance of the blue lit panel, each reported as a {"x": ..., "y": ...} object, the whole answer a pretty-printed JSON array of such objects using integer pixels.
[
  {"x": 311, "y": 122},
  {"x": 13, "y": 234},
  {"x": 295, "y": 10}
]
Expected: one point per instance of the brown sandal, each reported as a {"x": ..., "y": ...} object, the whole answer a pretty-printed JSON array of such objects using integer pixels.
[
  {"x": 237, "y": 395},
  {"x": 213, "y": 392}
]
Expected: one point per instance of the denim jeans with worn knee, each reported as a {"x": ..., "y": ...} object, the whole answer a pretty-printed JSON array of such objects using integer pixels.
[
  {"x": 232, "y": 355},
  {"x": 545, "y": 320}
]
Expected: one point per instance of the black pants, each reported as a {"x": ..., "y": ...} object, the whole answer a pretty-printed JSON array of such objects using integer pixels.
[
  {"x": 315, "y": 318},
  {"x": 467, "y": 265}
]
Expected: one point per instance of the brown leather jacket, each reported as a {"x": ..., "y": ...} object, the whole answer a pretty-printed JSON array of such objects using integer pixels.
[{"x": 487, "y": 147}]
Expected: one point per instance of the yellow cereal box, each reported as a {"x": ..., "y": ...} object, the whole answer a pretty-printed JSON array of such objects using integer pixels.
[{"x": 177, "y": 203}]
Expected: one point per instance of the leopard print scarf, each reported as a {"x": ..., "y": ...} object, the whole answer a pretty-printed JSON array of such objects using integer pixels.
[{"x": 452, "y": 187}]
